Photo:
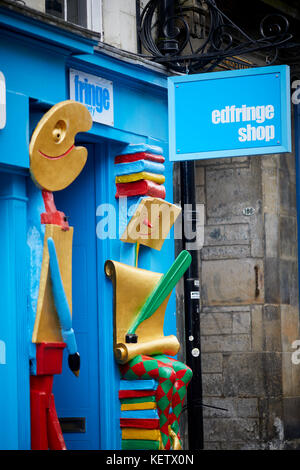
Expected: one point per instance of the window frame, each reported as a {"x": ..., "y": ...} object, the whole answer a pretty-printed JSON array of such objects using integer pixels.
[{"x": 94, "y": 20}]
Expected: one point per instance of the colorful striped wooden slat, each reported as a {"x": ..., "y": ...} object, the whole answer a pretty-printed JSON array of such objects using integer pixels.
[
  {"x": 139, "y": 423},
  {"x": 139, "y": 414},
  {"x": 137, "y": 400},
  {"x": 141, "y": 188},
  {"x": 144, "y": 434},
  {"x": 136, "y": 167},
  {"x": 135, "y": 393},
  {"x": 133, "y": 157},
  {"x": 132, "y": 444},
  {"x": 143, "y": 175},
  {"x": 138, "y": 384},
  {"x": 138, "y": 406}
]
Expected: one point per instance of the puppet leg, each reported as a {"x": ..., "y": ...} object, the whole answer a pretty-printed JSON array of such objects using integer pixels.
[
  {"x": 38, "y": 410},
  {"x": 45, "y": 428},
  {"x": 146, "y": 367},
  {"x": 55, "y": 436},
  {"x": 183, "y": 377}
]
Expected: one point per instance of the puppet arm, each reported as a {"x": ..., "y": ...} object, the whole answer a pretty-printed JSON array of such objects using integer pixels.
[{"x": 63, "y": 310}]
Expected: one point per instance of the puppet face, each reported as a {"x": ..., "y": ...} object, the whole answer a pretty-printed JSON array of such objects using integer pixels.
[
  {"x": 55, "y": 162},
  {"x": 151, "y": 222}
]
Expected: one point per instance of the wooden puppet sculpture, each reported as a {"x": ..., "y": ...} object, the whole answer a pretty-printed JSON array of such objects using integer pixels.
[
  {"x": 140, "y": 347},
  {"x": 55, "y": 162}
]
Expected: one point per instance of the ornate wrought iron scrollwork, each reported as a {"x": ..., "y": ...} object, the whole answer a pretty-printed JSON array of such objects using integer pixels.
[{"x": 170, "y": 41}]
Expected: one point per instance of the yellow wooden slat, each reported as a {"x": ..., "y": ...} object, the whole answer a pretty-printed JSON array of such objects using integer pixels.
[
  {"x": 138, "y": 406},
  {"x": 144, "y": 434},
  {"x": 142, "y": 175}
]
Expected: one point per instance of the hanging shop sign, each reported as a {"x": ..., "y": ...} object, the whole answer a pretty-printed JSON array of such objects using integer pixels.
[
  {"x": 95, "y": 93},
  {"x": 233, "y": 113},
  {"x": 2, "y": 101}
]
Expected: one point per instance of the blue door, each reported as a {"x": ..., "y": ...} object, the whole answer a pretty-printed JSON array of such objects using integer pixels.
[{"x": 77, "y": 399}]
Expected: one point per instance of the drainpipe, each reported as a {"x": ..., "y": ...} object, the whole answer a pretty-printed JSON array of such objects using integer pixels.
[
  {"x": 191, "y": 278},
  {"x": 138, "y": 25},
  {"x": 192, "y": 310}
]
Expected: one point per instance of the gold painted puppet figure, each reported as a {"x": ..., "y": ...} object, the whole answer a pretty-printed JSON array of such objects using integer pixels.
[
  {"x": 140, "y": 346},
  {"x": 55, "y": 162}
]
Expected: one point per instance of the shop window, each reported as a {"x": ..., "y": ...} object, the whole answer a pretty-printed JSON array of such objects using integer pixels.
[{"x": 85, "y": 13}]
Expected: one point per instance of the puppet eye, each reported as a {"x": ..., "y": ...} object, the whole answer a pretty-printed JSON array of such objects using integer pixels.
[{"x": 59, "y": 131}]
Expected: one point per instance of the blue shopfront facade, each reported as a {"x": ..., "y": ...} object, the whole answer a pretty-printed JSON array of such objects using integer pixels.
[{"x": 36, "y": 60}]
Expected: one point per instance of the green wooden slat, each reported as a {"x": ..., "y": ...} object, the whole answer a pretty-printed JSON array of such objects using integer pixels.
[
  {"x": 139, "y": 444},
  {"x": 128, "y": 401}
]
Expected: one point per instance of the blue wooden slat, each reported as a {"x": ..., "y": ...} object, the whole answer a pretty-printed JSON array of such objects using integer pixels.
[
  {"x": 137, "y": 148},
  {"x": 138, "y": 385},
  {"x": 136, "y": 167},
  {"x": 139, "y": 414}
]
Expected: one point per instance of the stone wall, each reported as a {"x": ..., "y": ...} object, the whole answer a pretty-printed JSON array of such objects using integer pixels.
[
  {"x": 249, "y": 312},
  {"x": 36, "y": 5},
  {"x": 249, "y": 302},
  {"x": 119, "y": 24}
]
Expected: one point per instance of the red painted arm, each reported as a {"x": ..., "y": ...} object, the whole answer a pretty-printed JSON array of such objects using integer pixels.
[{"x": 52, "y": 215}]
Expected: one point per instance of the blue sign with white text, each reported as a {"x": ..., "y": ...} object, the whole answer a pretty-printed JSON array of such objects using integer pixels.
[
  {"x": 95, "y": 93},
  {"x": 224, "y": 114}
]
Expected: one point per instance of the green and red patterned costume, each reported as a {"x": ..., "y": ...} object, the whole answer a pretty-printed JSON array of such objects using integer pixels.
[{"x": 173, "y": 378}]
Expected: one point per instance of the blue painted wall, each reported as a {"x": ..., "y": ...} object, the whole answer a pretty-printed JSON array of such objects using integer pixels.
[
  {"x": 35, "y": 60},
  {"x": 14, "y": 366}
]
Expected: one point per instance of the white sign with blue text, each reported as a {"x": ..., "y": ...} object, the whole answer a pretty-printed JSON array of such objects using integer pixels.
[
  {"x": 95, "y": 93},
  {"x": 233, "y": 113},
  {"x": 2, "y": 101}
]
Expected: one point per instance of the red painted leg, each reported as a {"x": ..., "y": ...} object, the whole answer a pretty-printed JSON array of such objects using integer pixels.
[
  {"x": 55, "y": 436},
  {"x": 39, "y": 439},
  {"x": 45, "y": 428}
]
